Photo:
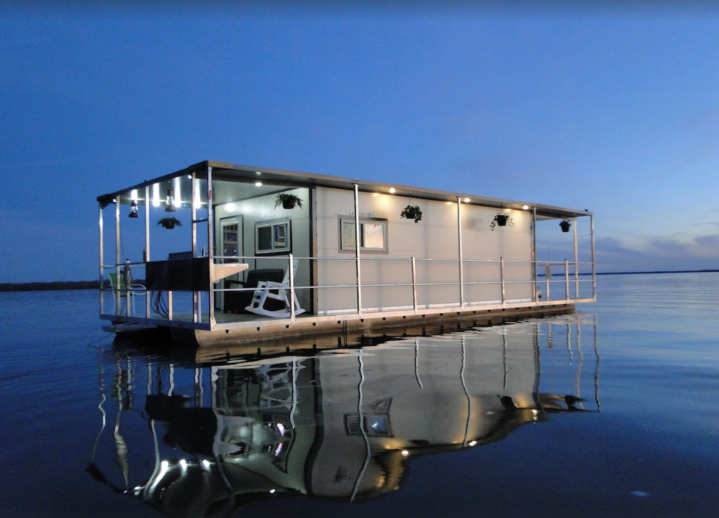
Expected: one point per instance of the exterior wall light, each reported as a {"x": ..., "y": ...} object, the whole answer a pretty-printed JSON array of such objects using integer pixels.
[
  {"x": 525, "y": 207},
  {"x": 258, "y": 184},
  {"x": 169, "y": 202},
  {"x": 466, "y": 200},
  {"x": 133, "y": 210},
  {"x": 392, "y": 190}
]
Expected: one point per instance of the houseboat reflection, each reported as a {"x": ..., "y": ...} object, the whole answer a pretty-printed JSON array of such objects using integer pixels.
[{"x": 343, "y": 424}]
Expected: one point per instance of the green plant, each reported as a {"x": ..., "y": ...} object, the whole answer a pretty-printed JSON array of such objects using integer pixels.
[
  {"x": 412, "y": 212},
  {"x": 288, "y": 201},
  {"x": 169, "y": 223}
]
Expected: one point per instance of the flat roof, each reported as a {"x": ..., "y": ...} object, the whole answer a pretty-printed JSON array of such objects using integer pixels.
[{"x": 233, "y": 172}]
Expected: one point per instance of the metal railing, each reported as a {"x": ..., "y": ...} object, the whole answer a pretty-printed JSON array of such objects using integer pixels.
[{"x": 569, "y": 271}]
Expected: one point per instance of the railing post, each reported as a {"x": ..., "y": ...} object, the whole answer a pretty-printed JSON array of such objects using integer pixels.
[
  {"x": 501, "y": 275},
  {"x": 576, "y": 262},
  {"x": 292, "y": 289},
  {"x": 169, "y": 305},
  {"x": 547, "y": 276},
  {"x": 566, "y": 279},
  {"x": 414, "y": 286}
]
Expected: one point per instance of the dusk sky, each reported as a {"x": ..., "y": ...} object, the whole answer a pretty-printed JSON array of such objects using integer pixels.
[{"x": 615, "y": 110}]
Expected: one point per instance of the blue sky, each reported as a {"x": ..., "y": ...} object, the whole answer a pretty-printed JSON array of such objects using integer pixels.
[{"x": 614, "y": 110}]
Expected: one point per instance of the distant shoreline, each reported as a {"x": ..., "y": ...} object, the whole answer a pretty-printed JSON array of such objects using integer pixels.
[{"x": 93, "y": 285}]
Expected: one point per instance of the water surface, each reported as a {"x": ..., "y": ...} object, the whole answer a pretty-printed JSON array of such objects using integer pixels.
[{"x": 610, "y": 412}]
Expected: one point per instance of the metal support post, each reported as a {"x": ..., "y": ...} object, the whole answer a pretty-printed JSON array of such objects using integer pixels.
[
  {"x": 102, "y": 262},
  {"x": 357, "y": 251},
  {"x": 117, "y": 256},
  {"x": 147, "y": 246},
  {"x": 534, "y": 254},
  {"x": 193, "y": 194},
  {"x": 210, "y": 246},
  {"x": 594, "y": 266},
  {"x": 576, "y": 262},
  {"x": 459, "y": 239}
]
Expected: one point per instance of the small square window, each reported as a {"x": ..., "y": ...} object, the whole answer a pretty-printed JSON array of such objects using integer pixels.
[
  {"x": 373, "y": 234},
  {"x": 272, "y": 236}
]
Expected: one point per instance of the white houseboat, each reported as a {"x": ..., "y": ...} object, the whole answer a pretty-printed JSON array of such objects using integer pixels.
[{"x": 221, "y": 253}]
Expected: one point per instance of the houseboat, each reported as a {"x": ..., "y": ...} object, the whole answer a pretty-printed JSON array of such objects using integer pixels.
[{"x": 221, "y": 253}]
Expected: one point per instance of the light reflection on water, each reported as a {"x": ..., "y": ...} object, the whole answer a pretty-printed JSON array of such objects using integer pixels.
[{"x": 611, "y": 412}]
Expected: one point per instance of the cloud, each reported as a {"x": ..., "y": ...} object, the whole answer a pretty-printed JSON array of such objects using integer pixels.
[{"x": 658, "y": 253}]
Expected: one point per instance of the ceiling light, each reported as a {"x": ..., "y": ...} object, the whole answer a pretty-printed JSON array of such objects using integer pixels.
[
  {"x": 466, "y": 200},
  {"x": 156, "y": 195},
  {"x": 392, "y": 190},
  {"x": 258, "y": 184},
  {"x": 405, "y": 452},
  {"x": 525, "y": 207},
  {"x": 375, "y": 194}
]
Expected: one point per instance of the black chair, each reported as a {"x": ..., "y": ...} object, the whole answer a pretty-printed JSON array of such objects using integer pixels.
[{"x": 237, "y": 301}]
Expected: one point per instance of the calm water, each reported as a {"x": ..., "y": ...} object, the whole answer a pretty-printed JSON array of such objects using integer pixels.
[{"x": 610, "y": 412}]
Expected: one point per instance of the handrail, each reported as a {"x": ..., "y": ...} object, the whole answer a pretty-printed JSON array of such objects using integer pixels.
[{"x": 504, "y": 265}]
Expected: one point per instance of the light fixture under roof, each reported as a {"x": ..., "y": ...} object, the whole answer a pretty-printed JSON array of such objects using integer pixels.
[
  {"x": 133, "y": 210},
  {"x": 525, "y": 207},
  {"x": 375, "y": 194},
  {"x": 467, "y": 200},
  {"x": 392, "y": 190},
  {"x": 258, "y": 184},
  {"x": 169, "y": 202}
]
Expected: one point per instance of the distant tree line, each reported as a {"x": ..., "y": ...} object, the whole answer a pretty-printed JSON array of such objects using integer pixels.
[{"x": 44, "y": 286}]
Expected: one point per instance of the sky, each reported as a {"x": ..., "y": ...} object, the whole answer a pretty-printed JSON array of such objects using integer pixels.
[{"x": 612, "y": 109}]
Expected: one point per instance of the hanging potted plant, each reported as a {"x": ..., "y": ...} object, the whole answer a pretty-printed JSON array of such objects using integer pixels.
[
  {"x": 288, "y": 201},
  {"x": 565, "y": 224},
  {"x": 169, "y": 223},
  {"x": 501, "y": 219},
  {"x": 412, "y": 212}
]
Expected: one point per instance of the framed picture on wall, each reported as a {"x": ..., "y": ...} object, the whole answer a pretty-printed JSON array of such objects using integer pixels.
[{"x": 272, "y": 236}]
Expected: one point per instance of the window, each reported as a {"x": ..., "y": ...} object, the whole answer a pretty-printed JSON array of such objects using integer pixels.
[
  {"x": 373, "y": 234},
  {"x": 272, "y": 236}
]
